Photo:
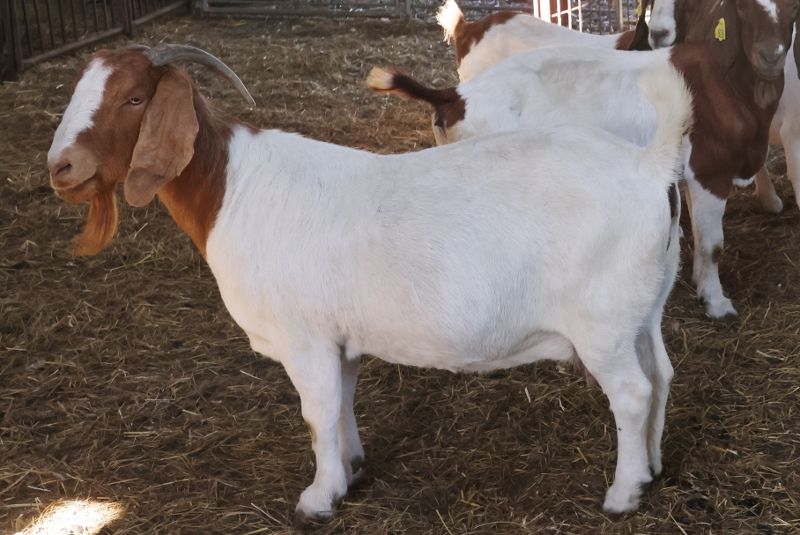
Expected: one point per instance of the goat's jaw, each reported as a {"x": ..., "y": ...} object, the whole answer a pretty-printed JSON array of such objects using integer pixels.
[
  {"x": 769, "y": 72},
  {"x": 81, "y": 192}
]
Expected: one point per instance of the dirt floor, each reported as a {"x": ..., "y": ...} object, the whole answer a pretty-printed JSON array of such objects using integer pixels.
[{"x": 123, "y": 378}]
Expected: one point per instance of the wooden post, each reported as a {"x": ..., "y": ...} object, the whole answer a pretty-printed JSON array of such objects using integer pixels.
[{"x": 11, "y": 61}]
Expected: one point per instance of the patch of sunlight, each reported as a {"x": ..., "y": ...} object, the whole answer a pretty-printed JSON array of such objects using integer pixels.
[{"x": 74, "y": 517}]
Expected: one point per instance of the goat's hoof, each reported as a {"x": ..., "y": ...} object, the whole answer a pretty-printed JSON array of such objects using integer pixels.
[
  {"x": 721, "y": 310},
  {"x": 304, "y": 520},
  {"x": 622, "y": 500},
  {"x": 316, "y": 505},
  {"x": 773, "y": 205},
  {"x": 356, "y": 469}
]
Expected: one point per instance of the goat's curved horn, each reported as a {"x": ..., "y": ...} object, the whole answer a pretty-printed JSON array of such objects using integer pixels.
[{"x": 166, "y": 53}]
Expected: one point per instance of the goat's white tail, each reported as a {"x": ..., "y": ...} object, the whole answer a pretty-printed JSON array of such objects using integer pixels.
[
  {"x": 666, "y": 90},
  {"x": 450, "y": 18}
]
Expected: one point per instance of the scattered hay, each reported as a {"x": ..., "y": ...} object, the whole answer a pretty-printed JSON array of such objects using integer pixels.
[{"x": 124, "y": 378}]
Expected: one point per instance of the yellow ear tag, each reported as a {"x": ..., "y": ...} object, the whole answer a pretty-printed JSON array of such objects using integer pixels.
[
  {"x": 719, "y": 31},
  {"x": 639, "y": 8}
]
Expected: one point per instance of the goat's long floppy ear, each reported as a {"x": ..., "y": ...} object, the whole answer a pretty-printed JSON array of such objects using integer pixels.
[{"x": 166, "y": 138}]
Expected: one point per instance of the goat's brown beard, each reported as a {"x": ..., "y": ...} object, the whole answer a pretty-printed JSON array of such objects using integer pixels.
[{"x": 101, "y": 224}]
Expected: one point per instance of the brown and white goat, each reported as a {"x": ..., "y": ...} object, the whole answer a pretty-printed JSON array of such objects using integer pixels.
[
  {"x": 677, "y": 21},
  {"x": 736, "y": 84},
  {"x": 325, "y": 253},
  {"x": 481, "y": 44},
  {"x": 750, "y": 40}
]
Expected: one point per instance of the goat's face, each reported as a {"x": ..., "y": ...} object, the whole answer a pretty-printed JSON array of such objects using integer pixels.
[
  {"x": 766, "y": 33},
  {"x": 663, "y": 30},
  {"x": 120, "y": 104},
  {"x": 92, "y": 145},
  {"x": 127, "y": 121},
  {"x": 131, "y": 118}
]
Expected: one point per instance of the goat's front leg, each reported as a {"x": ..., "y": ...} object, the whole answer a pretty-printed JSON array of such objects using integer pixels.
[
  {"x": 707, "y": 211},
  {"x": 349, "y": 441},
  {"x": 317, "y": 376}
]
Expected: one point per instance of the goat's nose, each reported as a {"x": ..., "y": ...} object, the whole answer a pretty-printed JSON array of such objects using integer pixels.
[
  {"x": 58, "y": 171},
  {"x": 659, "y": 37},
  {"x": 772, "y": 55}
]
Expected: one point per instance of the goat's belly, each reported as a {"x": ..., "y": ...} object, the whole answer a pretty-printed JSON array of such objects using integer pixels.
[{"x": 537, "y": 346}]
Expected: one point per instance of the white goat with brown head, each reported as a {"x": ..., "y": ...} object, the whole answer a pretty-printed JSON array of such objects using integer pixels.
[{"x": 556, "y": 243}]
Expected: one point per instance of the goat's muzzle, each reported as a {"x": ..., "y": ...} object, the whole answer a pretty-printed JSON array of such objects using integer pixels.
[
  {"x": 769, "y": 61},
  {"x": 661, "y": 38},
  {"x": 73, "y": 174}
]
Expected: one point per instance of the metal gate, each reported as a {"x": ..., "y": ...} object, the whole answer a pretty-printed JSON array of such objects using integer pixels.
[
  {"x": 37, "y": 30},
  {"x": 597, "y": 16}
]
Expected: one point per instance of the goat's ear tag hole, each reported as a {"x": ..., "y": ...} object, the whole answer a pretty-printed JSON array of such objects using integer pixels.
[
  {"x": 719, "y": 31},
  {"x": 639, "y": 8}
]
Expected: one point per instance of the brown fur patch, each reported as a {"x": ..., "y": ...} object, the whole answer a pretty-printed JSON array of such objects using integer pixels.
[
  {"x": 625, "y": 40},
  {"x": 716, "y": 254},
  {"x": 195, "y": 196},
  {"x": 446, "y": 115},
  {"x": 311, "y": 431},
  {"x": 730, "y": 130},
  {"x": 468, "y": 34}
]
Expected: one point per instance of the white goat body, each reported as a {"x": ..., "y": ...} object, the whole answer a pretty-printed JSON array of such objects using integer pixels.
[
  {"x": 570, "y": 85},
  {"x": 482, "y": 255}
]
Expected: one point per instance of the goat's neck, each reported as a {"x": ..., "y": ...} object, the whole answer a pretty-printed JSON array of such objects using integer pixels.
[{"x": 195, "y": 196}]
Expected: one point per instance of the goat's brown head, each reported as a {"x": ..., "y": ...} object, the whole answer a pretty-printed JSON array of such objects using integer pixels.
[
  {"x": 766, "y": 28},
  {"x": 131, "y": 119},
  {"x": 762, "y": 29}
]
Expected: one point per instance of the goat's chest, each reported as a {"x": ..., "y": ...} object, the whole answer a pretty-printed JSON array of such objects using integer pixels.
[{"x": 726, "y": 145}]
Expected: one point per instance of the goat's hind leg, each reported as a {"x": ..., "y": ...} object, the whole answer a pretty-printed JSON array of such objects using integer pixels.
[
  {"x": 349, "y": 440},
  {"x": 658, "y": 368},
  {"x": 616, "y": 367}
]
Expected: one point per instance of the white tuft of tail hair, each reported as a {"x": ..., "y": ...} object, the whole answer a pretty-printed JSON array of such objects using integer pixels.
[
  {"x": 449, "y": 17},
  {"x": 380, "y": 79},
  {"x": 666, "y": 90}
]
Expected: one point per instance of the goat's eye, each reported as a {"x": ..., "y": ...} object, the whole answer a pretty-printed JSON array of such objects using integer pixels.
[{"x": 135, "y": 101}]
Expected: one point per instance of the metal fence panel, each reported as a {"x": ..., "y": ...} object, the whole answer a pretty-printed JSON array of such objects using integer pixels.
[
  {"x": 597, "y": 16},
  {"x": 36, "y": 30},
  {"x": 344, "y": 8}
]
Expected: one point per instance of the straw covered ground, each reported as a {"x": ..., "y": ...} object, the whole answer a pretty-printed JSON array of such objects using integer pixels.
[{"x": 122, "y": 377}]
